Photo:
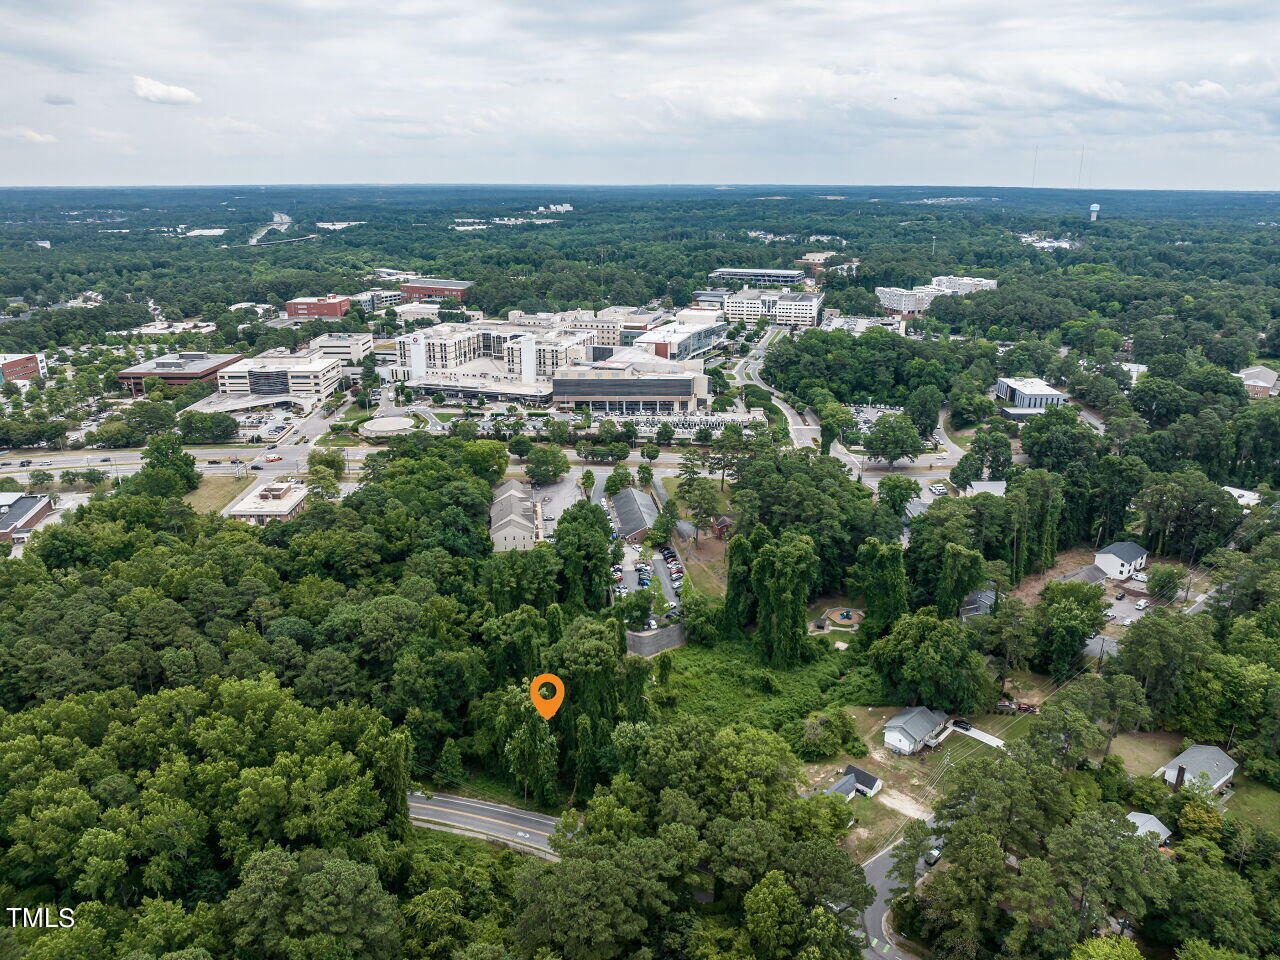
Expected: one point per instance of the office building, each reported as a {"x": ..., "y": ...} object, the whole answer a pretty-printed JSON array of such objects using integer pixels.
[
  {"x": 1026, "y": 396},
  {"x": 430, "y": 310},
  {"x": 633, "y": 322},
  {"x": 747, "y": 304},
  {"x": 270, "y": 501},
  {"x": 760, "y": 275},
  {"x": 963, "y": 285},
  {"x": 525, "y": 352},
  {"x": 371, "y": 300},
  {"x": 682, "y": 340},
  {"x": 307, "y": 374},
  {"x": 514, "y": 523},
  {"x": 633, "y": 382},
  {"x": 176, "y": 369},
  {"x": 857, "y": 326},
  {"x": 308, "y": 308},
  {"x": 429, "y": 288},
  {"x": 23, "y": 366},
  {"x": 19, "y": 513},
  {"x": 350, "y": 348}
]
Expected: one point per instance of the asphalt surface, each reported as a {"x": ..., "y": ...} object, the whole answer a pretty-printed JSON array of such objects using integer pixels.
[{"x": 529, "y": 832}]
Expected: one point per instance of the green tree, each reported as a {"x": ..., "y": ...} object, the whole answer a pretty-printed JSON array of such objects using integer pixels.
[
  {"x": 546, "y": 464},
  {"x": 893, "y": 437},
  {"x": 895, "y": 492},
  {"x": 1164, "y": 581}
]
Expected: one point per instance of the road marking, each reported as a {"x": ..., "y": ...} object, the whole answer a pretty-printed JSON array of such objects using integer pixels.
[
  {"x": 485, "y": 805},
  {"x": 476, "y": 816}
]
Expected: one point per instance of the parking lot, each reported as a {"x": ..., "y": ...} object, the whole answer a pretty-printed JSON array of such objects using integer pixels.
[
  {"x": 661, "y": 575},
  {"x": 269, "y": 427},
  {"x": 555, "y": 499}
]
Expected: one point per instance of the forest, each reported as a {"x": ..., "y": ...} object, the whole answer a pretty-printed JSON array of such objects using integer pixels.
[{"x": 207, "y": 729}]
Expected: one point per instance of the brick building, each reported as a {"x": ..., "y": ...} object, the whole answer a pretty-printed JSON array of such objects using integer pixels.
[
  {"x": 428, "y": 288},
  {"x": 306, "y": 308}
]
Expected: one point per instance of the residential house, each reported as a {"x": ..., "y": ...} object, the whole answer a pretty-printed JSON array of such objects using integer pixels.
[
  {"x": 1260, "y": 381},
  {"x": 1146, "y": 824},
  {"x": 1211, "y": 763},
  {"x": 1121, "y": 560},
  {"x": 855, "y": 782},
  {"x": 913, "y": 729},
  {"x": 979, "y": 603}
]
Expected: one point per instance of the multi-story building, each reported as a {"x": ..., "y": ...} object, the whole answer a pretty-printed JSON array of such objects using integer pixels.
[
  {"x": 633, "y": 322},
  {"x": 306, "y": 308},
  {"x": 513, "y": 518},
  {"x": 279, "y": 500},
  {"x": 176, "y": 369},
  {"x": 350, "y": 348},
  {"x": 802, "y": 309},
  {"x": 528, "y": 353},
  {"x": 682, "y": 340},
  {"x": 760, "y": 275},
  {"x": 22, "y": 366},
  {"x": 1026, "y": 396},
  {"x": 371, "y": 300},
  {"x": 430, "y": 288},
  {"x": 963, "y": 285},
  {"x": 307, "y": 374},
  {"x": 633, "y": 382}
]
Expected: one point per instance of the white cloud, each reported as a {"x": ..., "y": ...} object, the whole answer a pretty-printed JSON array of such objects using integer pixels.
[
  {"x": 26, "y": 135},
  {"x": 58, "y": 100},
  {"x": 156, "y": 92}
]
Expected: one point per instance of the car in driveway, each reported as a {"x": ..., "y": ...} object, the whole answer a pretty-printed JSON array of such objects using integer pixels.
[
  {"x": 962, "y": 724},
  {"x": 1142, "y": 604}
]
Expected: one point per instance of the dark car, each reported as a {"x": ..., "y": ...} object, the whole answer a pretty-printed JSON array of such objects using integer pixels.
[
  {"x": 24, "y": 463},
  {"x": 962, "y": 724},
  {"x": 273, "y": 446},
  {"x": 1120, "y": 595},
  {"x": 255, "y": 466}
]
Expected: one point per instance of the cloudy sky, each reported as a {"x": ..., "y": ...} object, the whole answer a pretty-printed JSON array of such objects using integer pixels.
[{"x": 1156, "y": 93}]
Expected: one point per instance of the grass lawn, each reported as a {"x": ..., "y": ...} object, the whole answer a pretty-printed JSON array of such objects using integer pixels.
[
  {"x": 961, "y": 438},
  {"x": 669, "y": 484},
  {"x": 875, "y": 825},
  {"x": 729, "y": 683},
  {"x": 705, "y": 568},
  {"x": 445, "y": 417},
  {"x": 214, "y": 493},
  {"x": 1145, "y": 752},
  {"x": 339, "y": 440},
  {"x": 1255, "y": 803}
]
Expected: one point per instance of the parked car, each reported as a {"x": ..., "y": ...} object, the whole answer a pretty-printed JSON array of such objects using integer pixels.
[
  {"x": 933, "y": 856},
  {"x": 962, "y": 724},
  {"x": 1120, "y": 594},
  {"x": 1142, "y": 604},
  {"x": 1139, "y": 578}
]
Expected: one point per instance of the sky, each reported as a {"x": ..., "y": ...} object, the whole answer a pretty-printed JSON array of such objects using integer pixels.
[{"x": 1168, "y": 94}]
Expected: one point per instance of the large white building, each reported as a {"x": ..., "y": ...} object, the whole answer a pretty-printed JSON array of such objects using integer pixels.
[
  {"x": 747, "y": 304},
  {"x": 857, "y": 326},
  {"x": 1027, "y": 395},
  {"x": 526, "y": 353},
  {"x": 350, "y": 348},
  {"x": 305, "y": 374},
  {"x": 682, "y": 339},
  {"x": 918, "y": 299},
  {"x": 633, "y": 381},
  {"x": 763, "y": 275}
]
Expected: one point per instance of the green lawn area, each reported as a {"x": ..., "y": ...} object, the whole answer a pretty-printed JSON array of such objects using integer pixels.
[
  {"x": 669, "y": 484},
  {"x": 729, "y": 683},
  {"x": 339, "y": 440},
  {"x": 875, "y": 825},
  {"x": 962, "y": 438},
  {"x": 445, "y": 417},
  {"x": 1145, "y": 752},
  {"x": 214, "y": 493},
  {"x": 1255, "y": 802}
]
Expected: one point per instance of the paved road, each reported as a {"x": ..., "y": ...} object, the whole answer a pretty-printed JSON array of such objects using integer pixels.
[
  {"x": 878, "y": 945},
  {"x": 511, "y": 826}
]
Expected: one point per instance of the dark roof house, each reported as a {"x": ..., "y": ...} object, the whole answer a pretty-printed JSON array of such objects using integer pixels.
[
  {"x": 1125, "y": 550},
  {"x": 856, "y": 781},
  {"x": 636, "y": 512}
]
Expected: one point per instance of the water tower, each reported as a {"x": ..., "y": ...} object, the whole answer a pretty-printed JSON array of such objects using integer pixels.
[{"x": 1093, "y": 211}]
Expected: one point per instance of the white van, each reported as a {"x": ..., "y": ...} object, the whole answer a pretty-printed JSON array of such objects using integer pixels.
[{"x": 1142, "y": 605}]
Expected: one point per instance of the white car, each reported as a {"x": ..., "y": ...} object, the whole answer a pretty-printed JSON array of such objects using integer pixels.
[
  {"x": 1142, "y": 605},
  {"x": 1139, "y": 578}
]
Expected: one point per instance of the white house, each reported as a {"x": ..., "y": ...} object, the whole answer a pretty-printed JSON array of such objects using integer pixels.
[
  {"x": 912, "y": 729},
  {"x": 1121, "y": 560},
  {"x": 1145, "y": 824},
  {"x": 1213, "y": 764}
]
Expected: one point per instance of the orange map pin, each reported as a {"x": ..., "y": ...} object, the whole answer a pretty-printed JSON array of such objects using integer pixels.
[{"x": 547, "y": 706}]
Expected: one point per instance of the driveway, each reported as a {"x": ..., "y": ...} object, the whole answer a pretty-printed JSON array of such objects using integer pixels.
[
  {"x": 556, "y": 498},
  {"x": 981, "y": 737}
]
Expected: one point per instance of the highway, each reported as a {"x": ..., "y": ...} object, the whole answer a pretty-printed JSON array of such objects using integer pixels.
[{"x": 510, "y": 826}]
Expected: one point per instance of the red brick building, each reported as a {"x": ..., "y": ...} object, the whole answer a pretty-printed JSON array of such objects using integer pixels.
[
  {"x": 426, "y": 288},
  {"x": 305, "y": 308},
  {"x": 21, "y": 366},
  {"x": 176, "y": 369}
]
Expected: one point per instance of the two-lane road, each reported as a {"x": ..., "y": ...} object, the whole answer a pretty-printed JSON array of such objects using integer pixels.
[{"x": 511, "y": 826}]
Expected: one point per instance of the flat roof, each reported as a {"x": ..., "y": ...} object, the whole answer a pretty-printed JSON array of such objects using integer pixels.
[
  {"x": 272, "y": 497},
  {"x": 1032, "y": 385},
  {"x": 303, "y": 361},
  {"x": 188, "y": 363},
  {"x": 434, "y": 282}
]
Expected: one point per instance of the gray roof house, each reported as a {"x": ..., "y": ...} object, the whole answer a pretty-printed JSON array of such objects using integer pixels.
[
  {"x": 512, "y": 521},
  {"x": 977, "y": 604},
  {"x": 1145, "y": 824},
  {"x": 856, "y": 781},
  {"x": 912, "y": 729},
  {"x": 636, "y": 512},
  {"x": 1201, "y": 760}
]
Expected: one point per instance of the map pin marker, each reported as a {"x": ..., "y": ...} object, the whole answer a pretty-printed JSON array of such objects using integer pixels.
[{"x": 547, "y": 706}]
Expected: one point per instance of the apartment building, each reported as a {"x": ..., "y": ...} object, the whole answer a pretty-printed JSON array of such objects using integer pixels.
[
  {"x": 918, "y": 299},
  {"x": 747, "y": 304},
  {"x": 963, "y": 285},
  {"x": 305, "y": 374}
]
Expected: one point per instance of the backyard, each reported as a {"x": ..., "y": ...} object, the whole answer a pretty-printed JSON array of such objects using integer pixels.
[{"x": 214, "y": 493}]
